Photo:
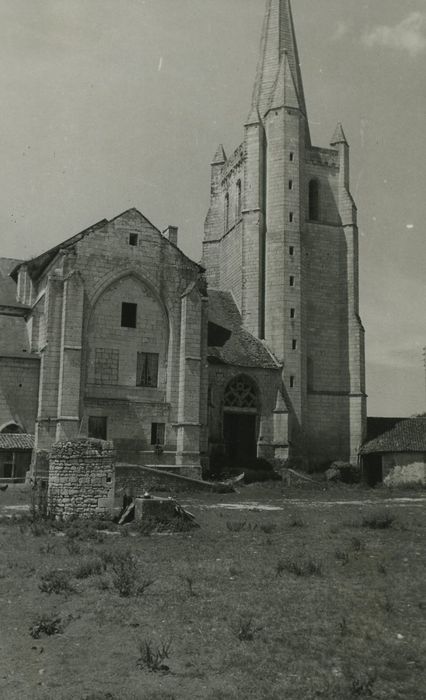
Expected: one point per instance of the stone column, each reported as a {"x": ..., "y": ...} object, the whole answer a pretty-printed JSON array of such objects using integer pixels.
[{"x": 190, "y": 374}]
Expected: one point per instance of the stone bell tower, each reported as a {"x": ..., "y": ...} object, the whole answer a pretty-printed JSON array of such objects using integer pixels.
[{"x": 281, "y": 235}]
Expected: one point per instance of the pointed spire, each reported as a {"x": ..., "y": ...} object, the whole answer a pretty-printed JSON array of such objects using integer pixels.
[
  {"x": 220, "y": 156},
  {"x": 280, "y": 406},
  {"x": 284, "y": 93},
  {"x": 253, "y": 117},
  {"x": 278, "y": 36},
  {"x": 338, "y": 136}
]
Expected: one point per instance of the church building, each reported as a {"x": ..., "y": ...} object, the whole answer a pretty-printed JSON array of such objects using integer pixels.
[{"x": 258, "y": 351}]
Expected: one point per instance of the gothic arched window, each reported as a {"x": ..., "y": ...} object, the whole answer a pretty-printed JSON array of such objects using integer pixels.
[
  {"x": 241, "y": 393},
  {"x": 314, "y": 200}
]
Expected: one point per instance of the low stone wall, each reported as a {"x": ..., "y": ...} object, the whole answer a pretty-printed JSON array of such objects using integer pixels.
[
  {"x": 142, "y": 479},
  {"x": 81, "y": 478}
]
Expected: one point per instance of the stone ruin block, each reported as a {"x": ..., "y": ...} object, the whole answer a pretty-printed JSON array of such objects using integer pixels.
[
  {"x": 152, "y": 508},
  {"x": 81, "y": 479}
]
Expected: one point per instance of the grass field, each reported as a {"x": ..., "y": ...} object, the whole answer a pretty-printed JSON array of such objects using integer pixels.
[{"x": 321, "y": 599}]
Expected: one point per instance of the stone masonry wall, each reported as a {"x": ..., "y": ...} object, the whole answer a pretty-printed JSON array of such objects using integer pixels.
[{"x": 81, "y": 478}]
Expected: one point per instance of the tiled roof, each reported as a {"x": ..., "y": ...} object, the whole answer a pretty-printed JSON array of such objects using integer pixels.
[
  {"x": 407, "y": 436},
  {"x": 242, "y": 348},
  {"x": 377, "y": 425},
  {"x": 16, "y": 441}
]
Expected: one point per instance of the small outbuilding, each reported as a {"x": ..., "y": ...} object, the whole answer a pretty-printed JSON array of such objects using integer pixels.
[
  {"x": 397, "y": 456},
  {"x": 15, "y": 456}
]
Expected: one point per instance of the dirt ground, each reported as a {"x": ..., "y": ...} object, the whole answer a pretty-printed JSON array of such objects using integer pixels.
[{"x": 296, "y": 594}]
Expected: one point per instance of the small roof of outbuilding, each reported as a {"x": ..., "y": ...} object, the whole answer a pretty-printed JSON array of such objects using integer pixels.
[
  {"x": 16, "y": 441},
  {"x": 242, "y": 348},
  {"x": 407, "y": 436}
]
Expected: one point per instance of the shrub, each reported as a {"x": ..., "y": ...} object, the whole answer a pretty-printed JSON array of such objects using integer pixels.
[
  {"x": 55, "y": 581},
  {"x": 379, "y": 521},
  {"x": 126, "y": 578},
  {"x": 268, "y": 528},
  {"x": 151, "y": 658},
  {"x": 46, "y": 625},
  {"x": 89, "y": 567},
  {"x": 125, "y": 573}
]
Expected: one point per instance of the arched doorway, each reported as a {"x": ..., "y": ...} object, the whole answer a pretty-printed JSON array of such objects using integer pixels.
[{"x": 240, "y": 420}]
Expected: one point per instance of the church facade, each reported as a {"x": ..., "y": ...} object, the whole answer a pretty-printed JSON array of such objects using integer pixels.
[{"x": 257, "y": 351}]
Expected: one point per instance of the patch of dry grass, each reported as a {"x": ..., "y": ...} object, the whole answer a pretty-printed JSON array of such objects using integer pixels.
[{"x": 248, "y": 613}]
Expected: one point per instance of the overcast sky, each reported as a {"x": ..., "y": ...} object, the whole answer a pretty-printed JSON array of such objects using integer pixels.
[{"x": 109, "y": 104}]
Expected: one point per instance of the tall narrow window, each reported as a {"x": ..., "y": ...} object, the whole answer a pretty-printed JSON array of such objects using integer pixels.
[
  {"x": 128, "y": 315},
  {"x": 291, "y": 217},
  {"x": 133, "y": 238},
  {"x": 310, "y": 373},
  {"x": 314, "y": 200},
  {"x": 290, "y": 184},
  {"x": 147, "y": 369},
  {"x": 294, "y": 344},
  {"x": 291, "y": 281},
  {"x": 239, "y": 200},
  {"x": 291, "y": 157},
  {"x": 226, "y": 212},
  {"x": 157, "y": 433},
  {"x": 292, "y": 313},
  {"x": 291, "y": 382},
  {"x": 291, "y": 250},
  {"x": 97, "y": 427}
]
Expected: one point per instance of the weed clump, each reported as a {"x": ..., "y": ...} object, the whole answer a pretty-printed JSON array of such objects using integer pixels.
[
  {"x": 245, "y": 629},
  {"x": 308, "y": 567},
  {"x": 296, "y": 521},
  {"x": 126, "y": 579},
  {"x": 268, "y": 528},
  {"x": 379, "y": 521},
  {"x": 342, "y": 556},
  {"x": 89, "y": 567},
  {"x": 152, "y": 658},
  {"x": 236, "y": 525},
  {"x": 46, "y": 625},
  {"x": 55, "y": 581}
]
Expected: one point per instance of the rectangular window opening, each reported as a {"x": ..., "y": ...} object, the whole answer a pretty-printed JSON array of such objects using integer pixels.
[
  {"x": 291, "y": 157},
  {"x": 294, "y": 344},
  {"x": 147, "y": 369},
  {"x": 97, "y": 427},
  {"x": 292, "y": 313},
  {"x": 128, "y": 315},
  {"x": 157, "y": 433},
  {"x": 292, "y": 382},
  {"x": 292, "y": 281},
  {"x": 290, "y": 184},
  {"x": 133, "y": 238},
  {"x": 291, "y": 217},
  {"x": 291, "y": 250}
]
